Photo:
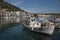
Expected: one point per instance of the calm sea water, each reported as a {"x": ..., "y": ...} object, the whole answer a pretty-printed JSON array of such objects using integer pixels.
[{"x": 13, "y": 29}]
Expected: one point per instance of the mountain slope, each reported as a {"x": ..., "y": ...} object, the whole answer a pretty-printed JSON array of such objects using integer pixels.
[{"x": 9, "y": 6}]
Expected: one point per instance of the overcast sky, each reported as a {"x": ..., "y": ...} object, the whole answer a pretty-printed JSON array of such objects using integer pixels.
[{"x": 37, "y": 6}]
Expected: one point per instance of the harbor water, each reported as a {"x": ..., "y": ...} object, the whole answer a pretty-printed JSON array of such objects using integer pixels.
[{"x": 13, "y": 29}]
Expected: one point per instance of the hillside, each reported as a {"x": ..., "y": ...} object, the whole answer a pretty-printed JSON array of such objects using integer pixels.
[{"x": 9, "y": 6}]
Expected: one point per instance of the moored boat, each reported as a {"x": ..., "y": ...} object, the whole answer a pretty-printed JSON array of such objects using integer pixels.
[
  {"x": 40, "y": 25},
  {"x": 57, "y": 25},
  {"x": 57, "y": 22}
]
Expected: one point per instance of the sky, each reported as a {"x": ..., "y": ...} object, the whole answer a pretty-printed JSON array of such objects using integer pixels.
[{"x": 37, "y": 6}]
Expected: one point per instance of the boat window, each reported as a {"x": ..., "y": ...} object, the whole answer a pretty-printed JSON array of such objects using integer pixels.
[{"x": 33, "y": 20}]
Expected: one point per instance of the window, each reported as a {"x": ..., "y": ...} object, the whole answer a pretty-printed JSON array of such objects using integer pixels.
[{"x": 32, "y": 20}]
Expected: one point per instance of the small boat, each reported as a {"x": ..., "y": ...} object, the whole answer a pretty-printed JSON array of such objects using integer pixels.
[
  {"x": 57, "y": 22},
  {"x": 40, "y": 25},
  {"x": 57, "y": 25}
]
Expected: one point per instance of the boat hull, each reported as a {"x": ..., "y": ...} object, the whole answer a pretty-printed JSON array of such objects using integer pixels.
[{"x": 48, "y": 30}]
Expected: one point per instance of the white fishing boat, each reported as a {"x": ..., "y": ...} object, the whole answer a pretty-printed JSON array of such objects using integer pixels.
[
  {"x": 40, "y": 25},
  {"x": 57, "y": 25},
  {"x": 57, "y": 22}
]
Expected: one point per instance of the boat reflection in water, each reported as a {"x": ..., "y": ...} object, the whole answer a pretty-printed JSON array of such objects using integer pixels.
[
  {"x": 6, "y": 22},
  {"x": 58, "y": 31},
  {"x": 33, "y": 36}
]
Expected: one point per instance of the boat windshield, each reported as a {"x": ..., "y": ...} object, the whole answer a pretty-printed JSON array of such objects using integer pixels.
[{"x": 32, "y": 20}]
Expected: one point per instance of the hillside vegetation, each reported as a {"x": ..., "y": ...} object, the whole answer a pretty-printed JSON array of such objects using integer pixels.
[{"x": 9, "y": 6}]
